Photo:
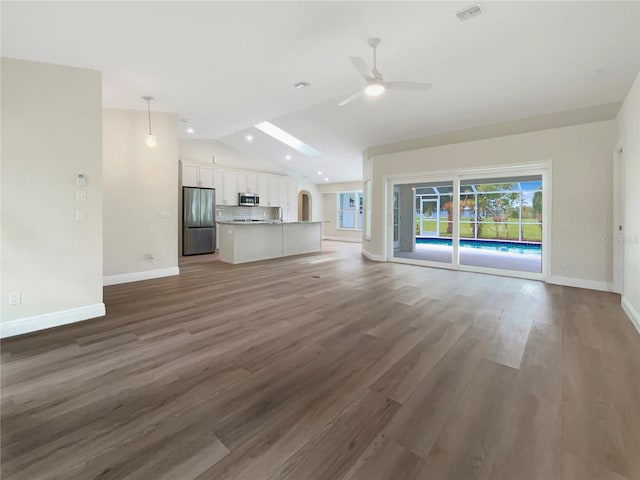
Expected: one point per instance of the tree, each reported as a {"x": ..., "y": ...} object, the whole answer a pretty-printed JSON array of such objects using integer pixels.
[{"x": 495, "y": 201}]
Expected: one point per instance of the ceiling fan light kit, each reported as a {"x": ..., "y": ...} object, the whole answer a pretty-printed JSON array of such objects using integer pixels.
[
  {"x": 376, "y": 85},
  {"x": 374, "y": 89}
]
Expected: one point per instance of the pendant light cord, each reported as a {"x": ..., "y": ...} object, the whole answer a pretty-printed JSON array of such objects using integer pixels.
[{"x": 149, "y": 113}]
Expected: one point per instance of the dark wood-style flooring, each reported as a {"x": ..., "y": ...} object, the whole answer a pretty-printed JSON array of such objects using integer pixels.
[{"x": 331, "y": 367}]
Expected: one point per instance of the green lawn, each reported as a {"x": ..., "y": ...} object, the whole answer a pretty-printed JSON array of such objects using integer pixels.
[{"x": 532, "y": 232}]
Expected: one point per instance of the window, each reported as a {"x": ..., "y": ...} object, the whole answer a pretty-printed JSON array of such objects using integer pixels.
[{"x": 350, "y": 210}]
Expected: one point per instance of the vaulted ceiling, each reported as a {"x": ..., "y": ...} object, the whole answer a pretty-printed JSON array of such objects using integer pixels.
[{"x": 226, "y": 66}]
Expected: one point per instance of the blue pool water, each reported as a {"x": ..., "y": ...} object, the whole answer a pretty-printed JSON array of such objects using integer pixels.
[{"x": 491, "y": 245}]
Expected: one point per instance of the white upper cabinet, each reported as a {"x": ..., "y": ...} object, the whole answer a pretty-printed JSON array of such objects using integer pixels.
[
  {"x": 252, "y": 183},
  {"x": 218, "y": 184},
  {"x": 196, "y": 175},
  {"x": 242, "y": 182},
  {"x": 206, "y": 176},
  {"x": 292, "y": 199},
  {"x": 263, "y": 188},
  {"x": 274, "y": 190},
  {"x": 283, "y": 200},
  {"x": 273, "y": 200},
  {"x": 189, "y": 174},
  {"x": 230, "y": 196}
]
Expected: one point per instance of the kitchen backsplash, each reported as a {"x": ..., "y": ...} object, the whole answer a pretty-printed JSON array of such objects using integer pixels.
[{"x": 228, "y": 212}]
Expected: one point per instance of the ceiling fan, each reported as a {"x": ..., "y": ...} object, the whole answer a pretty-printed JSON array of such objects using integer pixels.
[{"x": 376, "y": 85}]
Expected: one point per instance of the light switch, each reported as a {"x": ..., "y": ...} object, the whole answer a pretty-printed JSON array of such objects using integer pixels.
[
  {"x": 81, "y": 195},
  {"x": 81, "y": 215},
  {"x": 15, "y": 297},
  {"x": 165, "y": 213},
  {"x": 81, "y": 180}
]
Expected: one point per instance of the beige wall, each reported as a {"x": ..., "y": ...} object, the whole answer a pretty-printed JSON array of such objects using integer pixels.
[
  {"x": 330, "y": 193},
  {"x": 51, "y": 132},
  {"x": 582, "y": 189},
  {"x": 140, "y": 195},
  {"x": 628, "y": 126}
]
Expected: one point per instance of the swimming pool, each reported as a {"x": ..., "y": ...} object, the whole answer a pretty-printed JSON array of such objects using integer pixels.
[{"x": 490, "y": 245}]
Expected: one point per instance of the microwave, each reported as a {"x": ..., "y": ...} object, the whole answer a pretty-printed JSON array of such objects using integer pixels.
[{"x": 248, "y": 200}]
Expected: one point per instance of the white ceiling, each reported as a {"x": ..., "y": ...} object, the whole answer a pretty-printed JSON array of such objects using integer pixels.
[{"x": 226, "y": 66}]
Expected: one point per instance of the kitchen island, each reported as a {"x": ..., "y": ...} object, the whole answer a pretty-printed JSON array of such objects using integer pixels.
[{"x": 242, "y": 242}]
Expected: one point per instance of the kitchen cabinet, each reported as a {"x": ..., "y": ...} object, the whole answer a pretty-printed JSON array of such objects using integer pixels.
[
  {"x": 230, "y": 194},
  {"x": 274, "y": 190},
  {"x": 196, "y": 175},
  {"x": 218, "y": 184},
  {"x": 283, "y": 199},
  {"x": 273, "y": 199},
  {"x": 252, "y": 183},
  {"x": 292, "y": 199},
  {"x": 242, "y": 182},
  {"x": 262, "y": 180},
  {"x": 206, "y": 176}
]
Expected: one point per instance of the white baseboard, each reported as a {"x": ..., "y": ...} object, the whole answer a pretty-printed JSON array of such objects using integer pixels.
[
  {"x": 49, "y": 320},
  {"x": 373, "y": 256},
  {"x": 137, "y": 276},
  {"x": 342, "y": 239},
  {"x": 633, "y": 314},
  {"x": 580, "y": 283}
]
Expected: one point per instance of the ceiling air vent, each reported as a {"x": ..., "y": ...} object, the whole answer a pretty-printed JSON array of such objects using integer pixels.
[{"x": 469, "y": 12}]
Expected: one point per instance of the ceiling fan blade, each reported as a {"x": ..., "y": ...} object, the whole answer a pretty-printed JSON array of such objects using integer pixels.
[
  {"x": 362, "y": 67},
  {"x": 351, "y": 98},
  {"x": 409, "y": 86}
]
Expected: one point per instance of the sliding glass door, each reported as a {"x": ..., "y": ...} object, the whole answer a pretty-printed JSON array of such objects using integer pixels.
[
  {"x": 471, "y": 222},
  {"x": 501, "y": 223},
  {"x": 426, "y": 223}
]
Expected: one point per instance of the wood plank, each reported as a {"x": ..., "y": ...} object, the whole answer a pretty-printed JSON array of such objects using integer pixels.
[{"x": 374, "y": 370}]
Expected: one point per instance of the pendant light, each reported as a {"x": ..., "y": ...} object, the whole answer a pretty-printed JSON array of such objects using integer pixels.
[{"x": 150, "y": 139}]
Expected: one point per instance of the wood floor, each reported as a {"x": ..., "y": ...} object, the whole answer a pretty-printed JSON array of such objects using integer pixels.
[{"x": 328, "y": 367}]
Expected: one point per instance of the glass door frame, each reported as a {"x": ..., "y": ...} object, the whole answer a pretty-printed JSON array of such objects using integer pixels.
[{"x": 456, "y": 176}]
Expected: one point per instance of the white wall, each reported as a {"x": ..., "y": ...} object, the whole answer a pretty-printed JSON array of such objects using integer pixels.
[
  {"x": 51, "y": 132},
  {"x": 140, "y": 190},
  {"x": 317, "y": 204},
  {"x": 330, "y": 229},
  {"x": 628, "y": 126},
  {"x": 203, "y": 151},
  {"x": 582, "y": 189}
]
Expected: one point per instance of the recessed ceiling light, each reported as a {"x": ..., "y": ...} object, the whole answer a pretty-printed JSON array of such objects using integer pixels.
[
  {"x": 288, "y": 157},
  {"x": 319, "y": 172},
  {"x": 301, "y": 85},
  {"x": 190, "y": 130},
  {"x": 326, "y": 179},
  {"x": 287, "y": 139},
  {"x": 249, "y": 138}
]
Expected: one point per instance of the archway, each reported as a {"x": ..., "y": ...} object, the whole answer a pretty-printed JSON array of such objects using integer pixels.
[{"x": 304, "y": 206}]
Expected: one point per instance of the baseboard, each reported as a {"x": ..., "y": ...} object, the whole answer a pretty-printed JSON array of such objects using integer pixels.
[
  {"x": 581, "y": 283},
  {"x": 341, "y": 239},
  {"x": 21, "y": 326},
  {"x": 138, "y": 276},
  {"x": 374, "y": 257},
  {"x": 632, "y": 313}
]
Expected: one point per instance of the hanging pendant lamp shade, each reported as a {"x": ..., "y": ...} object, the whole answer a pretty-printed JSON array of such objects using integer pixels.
[{"x": 150, "y": 138}]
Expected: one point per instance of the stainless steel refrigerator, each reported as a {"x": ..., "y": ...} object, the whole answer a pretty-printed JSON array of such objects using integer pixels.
[{"x": 198, "y": 220}]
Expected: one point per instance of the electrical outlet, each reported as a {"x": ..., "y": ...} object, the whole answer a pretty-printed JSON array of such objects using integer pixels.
[
  {"x": 81, "y": 215},
  {"x": 165, "y": 213},
  {"x": 15, "y": 297},
  {"x": 81, "y": 195}
]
